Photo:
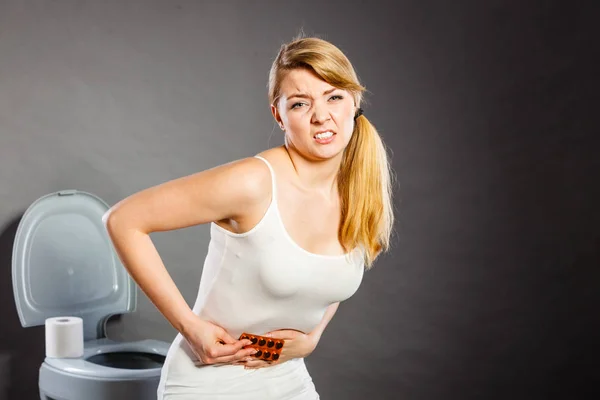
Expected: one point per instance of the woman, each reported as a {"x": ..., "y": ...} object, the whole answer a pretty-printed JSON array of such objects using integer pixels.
[{"x": 292, "y": 230}]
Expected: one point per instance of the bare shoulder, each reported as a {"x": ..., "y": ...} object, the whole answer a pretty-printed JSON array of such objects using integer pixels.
[
  {"x": 250, "y": 175},
  {"x": 279, "y": 160}
]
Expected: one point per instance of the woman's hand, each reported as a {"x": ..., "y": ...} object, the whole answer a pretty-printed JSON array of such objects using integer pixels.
[
  {"x": 213, "y": 345},
  {"x": 296, "y": 345}
]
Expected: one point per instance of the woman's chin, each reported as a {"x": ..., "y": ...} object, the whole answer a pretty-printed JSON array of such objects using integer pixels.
[{"x": 326, "y": 153}]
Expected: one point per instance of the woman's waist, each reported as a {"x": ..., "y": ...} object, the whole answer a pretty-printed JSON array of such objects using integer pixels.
[{"x": 184, "y": 366}]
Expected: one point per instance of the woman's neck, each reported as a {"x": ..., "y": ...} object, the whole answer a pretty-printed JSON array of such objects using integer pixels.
[{"x": 315, "y": 175}]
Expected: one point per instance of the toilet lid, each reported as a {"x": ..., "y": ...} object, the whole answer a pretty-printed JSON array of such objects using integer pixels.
[{"x": 64, "y": 264}]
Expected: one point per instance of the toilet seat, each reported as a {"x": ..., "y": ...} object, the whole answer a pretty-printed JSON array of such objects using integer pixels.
[
  {"x": 83, "y": 367},
  {"x": 64, "y": 264}
]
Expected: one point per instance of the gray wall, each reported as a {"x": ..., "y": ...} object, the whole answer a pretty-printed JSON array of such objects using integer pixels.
[{"x": 490, "y": 291}]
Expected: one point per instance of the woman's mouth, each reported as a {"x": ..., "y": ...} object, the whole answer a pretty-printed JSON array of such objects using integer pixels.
[{"x": 324, "y": 137}]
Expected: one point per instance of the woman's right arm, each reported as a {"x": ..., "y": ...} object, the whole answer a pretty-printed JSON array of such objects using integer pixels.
[{"x": 224, "y": 192}]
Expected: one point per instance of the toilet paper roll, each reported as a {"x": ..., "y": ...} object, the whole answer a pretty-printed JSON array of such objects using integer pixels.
[{"x": 64, "y": 337}]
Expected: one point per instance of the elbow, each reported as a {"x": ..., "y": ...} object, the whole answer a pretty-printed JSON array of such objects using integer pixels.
[
  {"x": 118, "y": 221},
  {"x": 115, "y": 221}
]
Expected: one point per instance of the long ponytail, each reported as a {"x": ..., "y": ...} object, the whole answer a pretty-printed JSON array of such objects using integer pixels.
[{"x": 365, "y": 185}]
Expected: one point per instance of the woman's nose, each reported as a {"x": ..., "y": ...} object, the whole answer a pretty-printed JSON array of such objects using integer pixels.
[{"x": 320, "y": 114}]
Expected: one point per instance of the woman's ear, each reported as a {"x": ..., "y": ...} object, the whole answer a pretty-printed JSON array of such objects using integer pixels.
[{"x": 277, "y": 117}]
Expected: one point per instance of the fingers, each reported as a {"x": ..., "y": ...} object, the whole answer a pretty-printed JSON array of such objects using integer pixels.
[
  {"x": 283, "y": 334},
  {"x": 226, "y": 337},
  {"x": 241, "y": 355},
  {"x": 228, "y": 349}
]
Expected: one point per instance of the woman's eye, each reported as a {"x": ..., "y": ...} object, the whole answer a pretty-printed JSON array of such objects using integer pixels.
[
  {"x": 296, "y": 105},
  {"x": 336, "y": 97}
]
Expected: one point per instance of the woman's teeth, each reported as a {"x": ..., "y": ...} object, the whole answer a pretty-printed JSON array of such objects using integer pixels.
[{"x": 324, "y": 135}]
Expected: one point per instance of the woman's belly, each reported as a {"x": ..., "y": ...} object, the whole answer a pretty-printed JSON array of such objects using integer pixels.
[{"x": 237, "y": 315}]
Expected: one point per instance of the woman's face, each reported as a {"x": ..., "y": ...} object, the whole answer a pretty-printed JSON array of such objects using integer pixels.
[{"x": 318, "y": 118}]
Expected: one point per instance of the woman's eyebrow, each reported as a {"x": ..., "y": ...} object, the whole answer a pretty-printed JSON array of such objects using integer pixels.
[{"x": 305, "y": 96}]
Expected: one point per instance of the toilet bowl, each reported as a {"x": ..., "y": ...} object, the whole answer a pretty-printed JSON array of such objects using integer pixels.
[{"x": 64, "y": 264}]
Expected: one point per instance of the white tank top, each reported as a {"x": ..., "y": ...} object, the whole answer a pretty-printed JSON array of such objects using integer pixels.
[{"x": 261, "y": 280}]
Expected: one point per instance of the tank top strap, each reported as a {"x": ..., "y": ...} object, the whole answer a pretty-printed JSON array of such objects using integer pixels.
[{"x": 273, "y": 185}]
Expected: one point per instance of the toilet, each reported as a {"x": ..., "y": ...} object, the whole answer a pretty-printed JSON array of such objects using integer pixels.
[{"x": 64, "y": 264}]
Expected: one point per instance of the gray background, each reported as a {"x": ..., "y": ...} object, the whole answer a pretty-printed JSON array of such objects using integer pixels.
[{"x": 492, "y": 286}]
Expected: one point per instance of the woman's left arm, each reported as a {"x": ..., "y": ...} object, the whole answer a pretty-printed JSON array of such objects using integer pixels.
[
  {"x": 315, "y": 335},
  {"x": 296, "y": 344}
]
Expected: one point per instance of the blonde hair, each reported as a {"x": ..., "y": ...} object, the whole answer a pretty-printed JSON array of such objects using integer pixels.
[{"x": 365, "y": 176}]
